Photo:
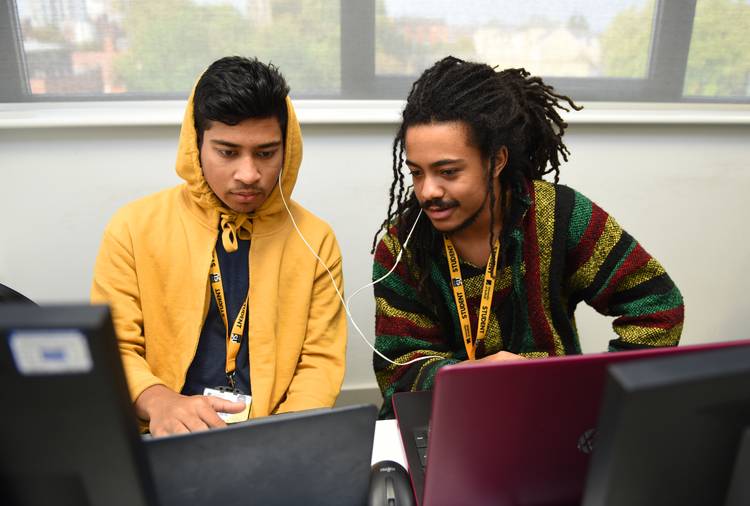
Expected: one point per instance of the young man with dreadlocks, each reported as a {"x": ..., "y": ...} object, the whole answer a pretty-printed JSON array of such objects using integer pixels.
[{"x": 499, "y": 250}]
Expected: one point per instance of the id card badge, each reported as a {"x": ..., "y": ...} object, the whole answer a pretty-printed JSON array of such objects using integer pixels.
[{"x": 234, "y": 396}]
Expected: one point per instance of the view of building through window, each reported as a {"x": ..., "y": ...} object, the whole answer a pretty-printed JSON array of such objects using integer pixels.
[
  {"x": 158, "y": 48},
  {"x": 577, "y": 38},
  {"x": 148, "y": 47}
]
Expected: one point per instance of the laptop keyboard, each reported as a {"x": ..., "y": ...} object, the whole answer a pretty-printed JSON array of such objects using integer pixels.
[{"x": 420, "y": 439}]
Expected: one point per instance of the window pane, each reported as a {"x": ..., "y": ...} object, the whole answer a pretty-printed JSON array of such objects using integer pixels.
[
  {"x": 576, "y": 38},
  {"x": 719, "y": 58},
  {"x": 92, "y": 47}
]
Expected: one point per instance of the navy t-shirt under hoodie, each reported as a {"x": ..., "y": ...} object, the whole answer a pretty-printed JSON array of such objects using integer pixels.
[{"x": 207, "y": 368}]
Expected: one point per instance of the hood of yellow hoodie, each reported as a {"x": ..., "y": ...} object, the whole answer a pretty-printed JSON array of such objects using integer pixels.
[{"x": 189, "y": 168}]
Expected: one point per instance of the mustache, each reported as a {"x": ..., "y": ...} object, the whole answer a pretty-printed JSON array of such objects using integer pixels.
[
  {"x": 439, "y": 203},
  {"x": 246, "y": 189}
]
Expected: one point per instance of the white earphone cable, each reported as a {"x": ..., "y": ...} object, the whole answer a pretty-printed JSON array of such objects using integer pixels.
[{"x": 346, "y": 302}]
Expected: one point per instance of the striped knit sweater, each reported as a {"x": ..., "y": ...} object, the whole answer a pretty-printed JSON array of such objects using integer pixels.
[{"x": 563, "y": 250}]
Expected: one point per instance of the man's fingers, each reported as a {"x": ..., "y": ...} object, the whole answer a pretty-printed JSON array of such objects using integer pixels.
[
  {"x": 196, "y": 423},
  {"x": 225, "y": 406},
  {"x": 165, "y": 429},
  {"x": 209, "y": 417},
  {"x": 179, "y": 428},
  {"x": 504, "y": 356},
  {"x": 193, "y": 414}
]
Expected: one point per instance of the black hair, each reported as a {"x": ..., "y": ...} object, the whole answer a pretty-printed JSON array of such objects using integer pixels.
[
  {"x": 234, "y": 89},
  {"x": 507, "y": 108}
]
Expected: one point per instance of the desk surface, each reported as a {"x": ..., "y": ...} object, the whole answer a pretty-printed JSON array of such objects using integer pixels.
[{"x": 387, "y": 443}]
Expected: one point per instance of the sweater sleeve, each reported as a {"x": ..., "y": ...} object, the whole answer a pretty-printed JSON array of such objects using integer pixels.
[
  {"x": 612, "y": 272},
  {"x": 405, "y": 330}
]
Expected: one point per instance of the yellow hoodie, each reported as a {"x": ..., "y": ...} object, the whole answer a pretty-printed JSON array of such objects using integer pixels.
[{"x": 153, "y": 267}]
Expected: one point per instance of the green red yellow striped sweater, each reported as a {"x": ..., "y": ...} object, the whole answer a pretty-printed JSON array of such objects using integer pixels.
[{"x": 564, "y": 249}]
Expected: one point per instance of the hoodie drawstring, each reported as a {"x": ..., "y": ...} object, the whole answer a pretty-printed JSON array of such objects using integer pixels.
[{"x": 232, "y": 226}]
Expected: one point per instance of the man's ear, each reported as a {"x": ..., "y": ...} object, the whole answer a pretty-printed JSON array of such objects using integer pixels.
[{"x": 501, "y": 160}]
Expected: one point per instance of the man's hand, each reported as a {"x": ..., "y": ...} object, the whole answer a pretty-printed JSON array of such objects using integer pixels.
[
  {"x": 171, "y": 413},
  {"x": 500, "y": 356}
]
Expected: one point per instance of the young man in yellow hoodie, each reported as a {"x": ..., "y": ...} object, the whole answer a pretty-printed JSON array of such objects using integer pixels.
[{"x": 209, "y": 283}]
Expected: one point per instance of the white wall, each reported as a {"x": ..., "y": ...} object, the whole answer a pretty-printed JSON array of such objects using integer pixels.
[{"x": 680, "y": 190}]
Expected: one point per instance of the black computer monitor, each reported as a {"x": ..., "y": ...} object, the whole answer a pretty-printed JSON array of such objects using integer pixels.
[
  {"x": 68, "y": 435},
  {"x": 674, "y": 431}
]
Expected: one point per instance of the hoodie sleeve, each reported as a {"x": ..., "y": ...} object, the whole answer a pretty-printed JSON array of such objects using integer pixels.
[
  {"x": 116, "y": 283},
  {"x": 320, "y": 370}
]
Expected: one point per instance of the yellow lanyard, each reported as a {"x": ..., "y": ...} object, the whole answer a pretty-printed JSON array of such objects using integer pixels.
[
  {"x": 488, "y": 290},
  {"x": 234, "y": 338}
]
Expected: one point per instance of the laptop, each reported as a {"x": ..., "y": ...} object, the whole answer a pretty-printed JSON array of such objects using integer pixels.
[
  {"x": 512, "y": 433},
  {"x": 315, "y": 457}
]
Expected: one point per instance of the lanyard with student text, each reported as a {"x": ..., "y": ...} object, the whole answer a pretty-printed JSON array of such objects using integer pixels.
[
  {"x": 488, "y": 289},
  {"x": 234, "y": 338}
]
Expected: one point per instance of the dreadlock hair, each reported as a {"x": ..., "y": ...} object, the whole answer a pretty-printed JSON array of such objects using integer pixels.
[{"x": 507, "y": 108}]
